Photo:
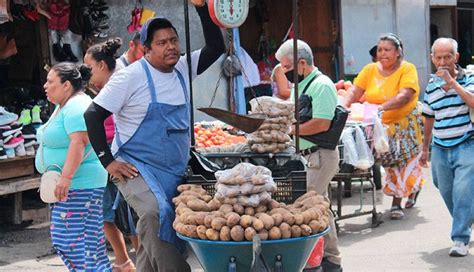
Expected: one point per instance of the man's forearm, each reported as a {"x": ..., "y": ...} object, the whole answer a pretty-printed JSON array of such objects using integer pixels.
[
  {"x": 214, "y": 41},
  {"x": 95, "y": 117},
  {"x": 429, "y": 123},
  {"x": 466, "y": 96}
]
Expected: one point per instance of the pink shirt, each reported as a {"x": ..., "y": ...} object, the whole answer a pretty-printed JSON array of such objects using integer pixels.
[{"x": 109, "y": 129}]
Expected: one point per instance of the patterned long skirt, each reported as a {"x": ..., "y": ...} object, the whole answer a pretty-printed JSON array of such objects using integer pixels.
[
  {"x": 77, "y": 231},
  {"x": 404, "y": 174}
]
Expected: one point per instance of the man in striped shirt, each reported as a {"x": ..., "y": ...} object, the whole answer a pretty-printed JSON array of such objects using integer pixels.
[{"x": 448, "y": 98}]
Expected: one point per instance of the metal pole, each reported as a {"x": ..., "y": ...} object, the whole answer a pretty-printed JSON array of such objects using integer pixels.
[
  {"x": 190, "y": 70},
  {"x": 295, "y": 73},
  {"x": 239, "y": 84}
]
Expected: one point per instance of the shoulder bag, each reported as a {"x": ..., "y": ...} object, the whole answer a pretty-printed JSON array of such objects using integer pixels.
[
  {"x": 330, "y": 138},
  {"x": 52, "y": 173}
]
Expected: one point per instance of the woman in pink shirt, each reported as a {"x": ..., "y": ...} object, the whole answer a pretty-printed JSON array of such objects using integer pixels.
[{"x": 102, "y": 59}]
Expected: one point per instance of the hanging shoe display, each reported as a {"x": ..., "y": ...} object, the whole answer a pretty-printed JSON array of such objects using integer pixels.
[
  {"x": 58, "y": 53},
  {"x": 35, "y": 115},
  {"x": 68, "y": 51}
]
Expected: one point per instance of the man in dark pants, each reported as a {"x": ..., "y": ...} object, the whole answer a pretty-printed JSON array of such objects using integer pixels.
[{"x": 150, "y": 103}]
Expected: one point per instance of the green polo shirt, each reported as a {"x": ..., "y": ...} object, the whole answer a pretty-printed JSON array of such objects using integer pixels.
[{"x": 324, "y": 95}]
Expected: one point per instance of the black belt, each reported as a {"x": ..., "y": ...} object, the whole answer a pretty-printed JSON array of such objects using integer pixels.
[{"x": 310, "y": 150}]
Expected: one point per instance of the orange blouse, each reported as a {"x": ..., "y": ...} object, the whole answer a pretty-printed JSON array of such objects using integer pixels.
[{"x": 379, "y": 89}]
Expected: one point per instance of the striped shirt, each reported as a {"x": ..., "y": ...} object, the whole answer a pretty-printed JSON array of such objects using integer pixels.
[{"x": 452, "y": 124}]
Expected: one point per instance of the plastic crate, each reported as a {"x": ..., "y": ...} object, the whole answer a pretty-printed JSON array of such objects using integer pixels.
[{"x": 289, "y": 188}]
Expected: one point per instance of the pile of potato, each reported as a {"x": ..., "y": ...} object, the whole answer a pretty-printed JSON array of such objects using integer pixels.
[
  {"x": 200, "y": 216},
  {"x": 245, "y": 184},
  {"x": 272, "y": 136}
]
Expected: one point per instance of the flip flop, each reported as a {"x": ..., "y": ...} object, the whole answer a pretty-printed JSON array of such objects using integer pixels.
[
  {"x": 411, "y": 201},
  {"x": 396, "y": 213}
]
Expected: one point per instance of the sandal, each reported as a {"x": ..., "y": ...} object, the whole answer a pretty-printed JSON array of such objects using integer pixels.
[
  {"x": 127, "y": 266},
  {"x": 396, "y": 213},
  {"x": 411, "y": 201}
]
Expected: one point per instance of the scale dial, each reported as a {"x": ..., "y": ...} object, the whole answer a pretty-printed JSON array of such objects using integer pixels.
[{"x": 229, "y": 13}]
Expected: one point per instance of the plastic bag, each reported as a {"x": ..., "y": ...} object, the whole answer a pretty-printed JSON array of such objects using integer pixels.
[
  {"x": 365, "y": 159},
  {"x": 381, "y": 143},
  {"x": 350, "y": 151}
]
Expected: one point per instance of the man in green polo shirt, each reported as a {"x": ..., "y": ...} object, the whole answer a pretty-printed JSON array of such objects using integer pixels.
[{"x": 323, "y": 164}]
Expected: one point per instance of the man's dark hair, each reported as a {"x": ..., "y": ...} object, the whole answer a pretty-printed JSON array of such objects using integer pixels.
[{"x": 155, "y": 25}]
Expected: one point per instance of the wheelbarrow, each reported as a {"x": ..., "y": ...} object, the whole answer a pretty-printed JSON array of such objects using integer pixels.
[{"x": 280, "y": 255}]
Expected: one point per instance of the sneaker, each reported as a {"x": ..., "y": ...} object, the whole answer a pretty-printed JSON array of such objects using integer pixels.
[
  {"x": 35, "y": 115},
  {"x": 29, "y": 132},
  {"x": 11, "y": 136},
  {"x": 29, "y": 142},
  {"x": 14, "y": 128},
  {"x": 25, "y": 117},
  {"x": 459, "y": 249},
  {"x": 30, "y": 150},
  {"x": 20, "y": 150},
  {"x": 330, "y": 266},
  {"x": 14, "y": 142},
  {"x": 7, "y": 117},
  {"x": 3, "y": 155},
  {"x": 10, "y": 153}
]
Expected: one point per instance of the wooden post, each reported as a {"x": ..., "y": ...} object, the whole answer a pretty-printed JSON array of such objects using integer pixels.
[{"x": 17, "y": 208}]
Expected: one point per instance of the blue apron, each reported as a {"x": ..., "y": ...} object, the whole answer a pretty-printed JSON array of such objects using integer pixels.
[{"x": 159, "y": 149}]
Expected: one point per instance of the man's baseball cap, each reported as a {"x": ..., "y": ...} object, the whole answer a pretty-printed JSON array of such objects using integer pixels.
[{"x": 157, "y": 23}]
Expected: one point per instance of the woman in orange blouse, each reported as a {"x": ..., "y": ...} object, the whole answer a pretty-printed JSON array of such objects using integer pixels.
[{"x": 392, "y": 83}]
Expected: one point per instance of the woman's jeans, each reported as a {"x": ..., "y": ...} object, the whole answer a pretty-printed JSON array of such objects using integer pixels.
[{"x": 453, "y": 175}]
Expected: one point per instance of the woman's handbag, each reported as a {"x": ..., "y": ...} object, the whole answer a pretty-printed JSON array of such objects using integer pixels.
[{"x": 51, "y": 176}]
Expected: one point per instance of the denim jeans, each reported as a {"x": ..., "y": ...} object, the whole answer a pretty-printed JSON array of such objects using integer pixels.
[{"x": 453, "y": 175}]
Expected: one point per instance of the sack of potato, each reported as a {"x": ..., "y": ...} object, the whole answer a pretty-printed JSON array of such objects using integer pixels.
[
  {"x": 272, "y": 136},
  {"x": 200, "y": 216},
  {"x": 245, "y": 184}
]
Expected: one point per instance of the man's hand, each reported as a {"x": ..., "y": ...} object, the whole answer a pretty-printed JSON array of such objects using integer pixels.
[
  {"x": 62, "y": 189},
  {"x": 122, "y": 170},
  {"x": 443, "y": 72},
  {"x": 198, "y": 3},
  {"x": 424, "y": 158}
]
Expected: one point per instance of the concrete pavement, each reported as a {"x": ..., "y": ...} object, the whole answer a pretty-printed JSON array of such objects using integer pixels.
[{"x": 419, "y": 242}]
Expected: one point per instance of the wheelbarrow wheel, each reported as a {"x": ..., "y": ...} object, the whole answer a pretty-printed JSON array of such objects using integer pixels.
[{"x": 377, "y": 176}]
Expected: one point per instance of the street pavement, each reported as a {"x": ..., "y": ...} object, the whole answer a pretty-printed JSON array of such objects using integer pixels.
[{"x": 419, "y": 242}]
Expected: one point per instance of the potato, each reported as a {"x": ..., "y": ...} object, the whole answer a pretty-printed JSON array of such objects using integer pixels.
[
  {"x": 289, "y": 218},
  {"x": 237, "y": 233},
  {"x": 218, "y": 222},
  {"x": 200, "y": 216},
  {"x": 306, "y": 195},
  {"x": 315, "y": 226},
  {"x": 206, "y": 198},
  {"x": 277, "y": 219},
  {"x": 182, "y": 210},
  {"x": 263, "y": 234},
  {"x": 308, "y": 216},
  {"x": 226, "y": 208},
  {"x": 176, "y": 222},
  {"x": 249, "y": 233},
  {"x": 324, "y": 225},
  {"x": 201, "y": 231},
  {"x": 249, "y": 211},
  {"x": 295, "y": 231},
  {"x": 183, "y": 218},
  {"x": 299, "y": 219},
  {"x": 261, "y": 209},
  {"x": 273, "y": 204},
  {"x": 190, "y": 231},
  {"x": 285, "y": 230},
  {"x": 214, "y": 204},
  {"x": 191, "y": 219},
  {"x": 212, "y": 234},
  {"x": 259, "y": 179},
  {"x": 197, "y": 205},
  {"x": 224, "y": 234},
  {"x": 267, "y": 220},
  {"x": 246, "y": 221},
  {"x": 208, "y": 220},
  {"x": 239, "y": 209},
  {"x": 274, "y": 233},
  {"x": 281, "y": 211},
  {"x": 258, "y": 224},
  {"x": 184, "y": 199},
  {"x": 232, "y": 219},
  {"x": 218, "y": 214},
  {"x": 305, "y": 230},
  {"x": 230, "y": 200}
]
